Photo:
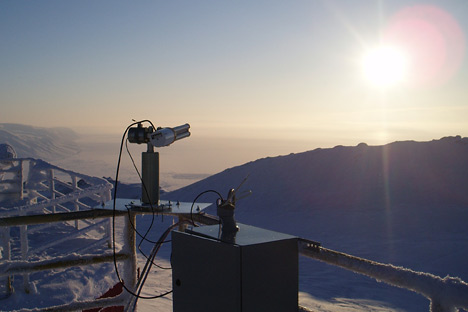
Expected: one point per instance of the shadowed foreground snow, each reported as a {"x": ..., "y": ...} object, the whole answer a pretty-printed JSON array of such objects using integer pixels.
[{"x": 58, "y": 287}]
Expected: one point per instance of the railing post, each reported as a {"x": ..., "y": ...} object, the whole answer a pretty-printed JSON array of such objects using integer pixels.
[
  {"x": 75, "y": 202},
  {"x": 108, "y": 230},
  {"x": 105, "y": 196},
  {"x": 6, "y": 254},
  {"x": 21, "y": 182},
  {"x": 52, "y": 187},
  {"x": 24, "y": 255},
  {"x": 130, "y": 269}
]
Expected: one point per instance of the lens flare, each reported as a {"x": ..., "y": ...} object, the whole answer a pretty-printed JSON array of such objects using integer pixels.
[{"x": 433, "y": 40}]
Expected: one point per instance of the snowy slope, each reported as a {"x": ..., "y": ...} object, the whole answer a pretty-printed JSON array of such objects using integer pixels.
[
  {"x": 404, "y": 203},
  {"x": 44, "y": 143}
]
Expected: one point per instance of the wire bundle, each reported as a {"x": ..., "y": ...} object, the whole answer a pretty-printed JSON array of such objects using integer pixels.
[{"x": 157, "y": 244}]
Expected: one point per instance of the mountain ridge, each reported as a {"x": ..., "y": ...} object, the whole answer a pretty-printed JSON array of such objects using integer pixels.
[{"x": 404, "y": 172}]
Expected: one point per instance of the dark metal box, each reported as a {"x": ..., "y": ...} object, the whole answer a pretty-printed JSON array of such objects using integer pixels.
[{"x": 255, "y": 270}]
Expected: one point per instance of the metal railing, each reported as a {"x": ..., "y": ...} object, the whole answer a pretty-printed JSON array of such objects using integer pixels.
[
  {"x": 32, "y": 186},
  {"x": 127, "y": 255},
  {"x": 445, "y": 294}
]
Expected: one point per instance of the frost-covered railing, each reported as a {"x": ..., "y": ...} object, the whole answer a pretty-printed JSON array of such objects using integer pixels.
[
  {"x": 445, "y": 294},
  {"x": 31, "y": 186},
  {"x": 127, "y": 255}
]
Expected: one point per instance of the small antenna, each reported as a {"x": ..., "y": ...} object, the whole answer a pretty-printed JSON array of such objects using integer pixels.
[
  {"x": 232, "y": 194},
  {"x": 225, "y": 211}
]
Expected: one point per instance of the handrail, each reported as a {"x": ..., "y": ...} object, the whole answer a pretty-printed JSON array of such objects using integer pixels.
[
  {"x": 127, "y": 255},
  {"x": 93, "y": 214},
  {"x": 73, "y": 260},
  {"x": 445, "y": 294},
  {"x": 119, "y": 300}
]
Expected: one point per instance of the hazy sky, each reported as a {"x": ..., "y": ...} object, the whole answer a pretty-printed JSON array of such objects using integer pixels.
[{"x": 278, "y": 71}]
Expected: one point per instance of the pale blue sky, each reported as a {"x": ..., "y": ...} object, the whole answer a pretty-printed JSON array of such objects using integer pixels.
[{"x": 270, "y": 70}]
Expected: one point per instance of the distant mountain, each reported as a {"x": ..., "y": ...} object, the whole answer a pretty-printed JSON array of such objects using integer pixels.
[
  {"x": 44, "y": 143},
  {"x": 399, "y": 173}
]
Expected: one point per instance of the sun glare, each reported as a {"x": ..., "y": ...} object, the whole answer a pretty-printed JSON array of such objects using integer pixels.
[{"x": 385, "y": 66}]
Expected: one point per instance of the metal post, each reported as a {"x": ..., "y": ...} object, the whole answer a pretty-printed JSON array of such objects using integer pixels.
[
  {"x": 6, "y": 245},
  {"x": 109, "y": 232},
  {"x": 52, "y": 187},
  {"x": 75, "y": 202},
  {"x": 130, "y": 265},
  {"x": 150, "y": 177},
  {"x": 20, "y": 176},
  {"x": 105, "y": 196},
  {"x": 24, "y": 255},
  {"x": 130, "y": 270}
]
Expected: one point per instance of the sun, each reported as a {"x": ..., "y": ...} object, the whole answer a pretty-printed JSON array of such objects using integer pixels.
[{"x": 385, "y": 66}]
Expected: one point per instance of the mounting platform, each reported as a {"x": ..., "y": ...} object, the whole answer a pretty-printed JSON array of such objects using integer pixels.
[{"x": 165, "y": 206}]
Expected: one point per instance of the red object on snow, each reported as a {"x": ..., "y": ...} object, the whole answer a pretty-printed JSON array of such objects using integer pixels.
[{"x": 114, "y": 291}]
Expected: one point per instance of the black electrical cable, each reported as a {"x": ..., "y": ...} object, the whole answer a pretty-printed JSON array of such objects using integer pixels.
[
  {"x": 114, "y": 215},
  {"x": 158, "y": 244},
  {"x": 136, "y": 231},
  {"x": 139, "y": 245},
  {"x": 149, "y": 263},
  {"x": 143, "y": 237},
  {"x": 198, "y": 196},
  {"x": 153, "y": 253}
]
